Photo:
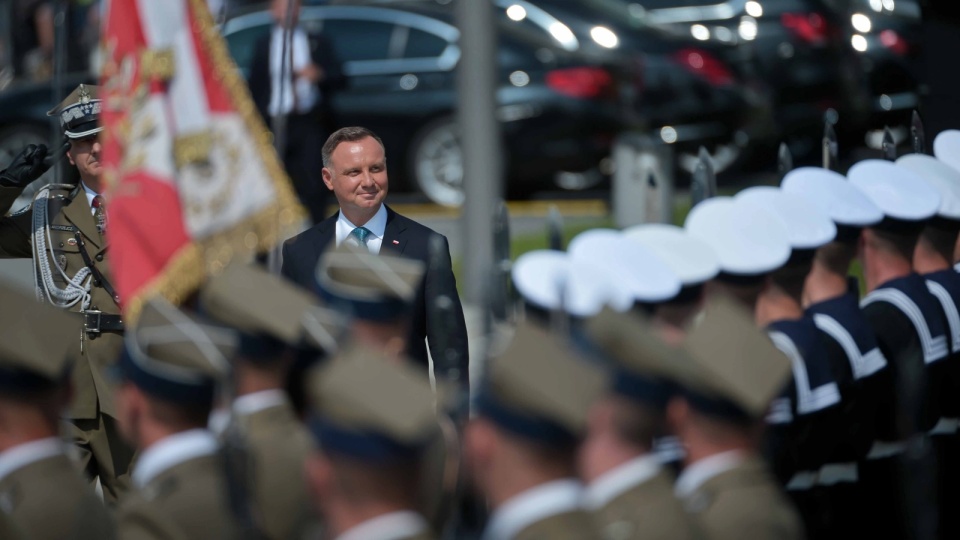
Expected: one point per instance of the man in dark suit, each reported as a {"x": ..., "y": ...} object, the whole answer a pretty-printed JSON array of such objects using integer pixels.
[
  {"x": 355, "y": 169},
  {"x": 312, "y": 76}
]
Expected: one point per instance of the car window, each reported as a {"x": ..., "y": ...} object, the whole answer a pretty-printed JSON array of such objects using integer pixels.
[
  {"x": 242, "y": 45},
  {"x": 422, "y": 44},
  {"x": 359, "y": 39}
]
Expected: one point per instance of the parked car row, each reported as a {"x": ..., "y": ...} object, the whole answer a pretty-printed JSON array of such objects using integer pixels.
[{"x": 727, "y": 75}]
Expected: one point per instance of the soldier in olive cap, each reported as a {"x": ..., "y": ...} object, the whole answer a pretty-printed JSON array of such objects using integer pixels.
[
  {"x": 521, "y": 446},
  {"x": 41, "y": 489},
  {"x": 170, "y": 368},
  {"x": 271, "y": 315},
  {"x": 628, "y": 488},
  {"x": 729, "y": 375},
  {"x": 373, "y": 420},
  {"x": 63, "y": 231},
  {"x": 375, "y": 293}
]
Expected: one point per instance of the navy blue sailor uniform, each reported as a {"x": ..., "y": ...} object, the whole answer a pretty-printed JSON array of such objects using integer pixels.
[
  {"x": 944, "y": 285},
  {"x": 866, "y": 384},
  {"x": 910, "y": 327},
  {"x": 805, "y": 420}
]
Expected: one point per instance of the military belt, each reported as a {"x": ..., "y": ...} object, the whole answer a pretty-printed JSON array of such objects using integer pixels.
[{"x": 95, "y": 322}]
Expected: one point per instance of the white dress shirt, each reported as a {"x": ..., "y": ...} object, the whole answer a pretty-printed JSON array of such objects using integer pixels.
[
  {"x": 696, "y": 474},
  {"x": 90, "y": 195},
  {"x": 609, "y": 485},
  {"x": 392, "y": 526},
  {"x": 377, "y": 226},
  {"x": 246, "y": 405},
  {"x": 306, "y": 92},
  {"x": 20, "y": 456},
  {"x": 533, "y": 505},
  {"x": 172, "y": 451}
]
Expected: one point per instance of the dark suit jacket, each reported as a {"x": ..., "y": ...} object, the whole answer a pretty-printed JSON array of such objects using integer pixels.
[
  {"x": 302, "y": 252},
  {"x": 322, "y": 54}
]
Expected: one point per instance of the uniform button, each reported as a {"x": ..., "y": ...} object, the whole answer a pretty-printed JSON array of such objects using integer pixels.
[
  {"x": 100, "y": 256},
  {"x": 61, "y": 244}
]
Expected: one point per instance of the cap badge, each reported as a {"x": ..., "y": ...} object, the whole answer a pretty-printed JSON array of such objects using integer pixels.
[{"x": 84, "y": 95}]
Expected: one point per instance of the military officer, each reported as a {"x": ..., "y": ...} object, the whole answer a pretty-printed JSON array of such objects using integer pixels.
[
  {"x": 376, "y": 293},
  {"x": 810, "y": 416},
  {"x": 691, "y": 260},
  {"x": 832, "y": 300},
  {"x": 911, "y": 329},
  {"x": 749, "y": 243},
  {"x": 373, "y": 420},
  {"x": 64, "y": 233},
  {"x": 169, "y": 370},
  {"x": 521, "y": 445},
  {"x": 933, "y": 259},
  {"x": 41, "y": 489},
  {"x": 629, "y": 491},
  {"x": 732, "y": 373},
  {"x": 269, "y": 313}
]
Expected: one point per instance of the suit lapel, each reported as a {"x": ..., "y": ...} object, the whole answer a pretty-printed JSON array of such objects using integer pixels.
[
  {"x": 325, "y": 232},
  {"x": 394, "y": 240},
  {"x": 78, "y": 212}
]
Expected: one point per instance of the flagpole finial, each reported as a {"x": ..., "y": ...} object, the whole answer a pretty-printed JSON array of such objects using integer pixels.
[
  {"x": 784, "y": 160},
  {"x": 917, "y": 134},
  {"x": 889, "y": 145},
  {"x": 704, "y": 182},
  {"x": 830, "y": 146}
]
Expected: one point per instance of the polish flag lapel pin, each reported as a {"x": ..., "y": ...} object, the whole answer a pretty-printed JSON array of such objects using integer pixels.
[{"x": 396, "y": 242}]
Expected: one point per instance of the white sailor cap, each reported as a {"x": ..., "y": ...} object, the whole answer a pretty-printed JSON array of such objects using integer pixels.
[
  {"x": 807, "y": 227},
  {"x": 941, "y": 177},
  {"x": 551, "y": 280},
  {"x": 903, "y": 197},
  {"x": 830, "y": 191},
  {"x": 636, "y": 270},
  {"x": 691, "y": 259},
  {"x": 748, "y": 240},
  {"x": 946, "y": 147}
]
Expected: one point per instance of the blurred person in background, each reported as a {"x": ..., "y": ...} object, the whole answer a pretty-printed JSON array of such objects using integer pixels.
[
  {"x": 33, "y": 36},
  {"x": 312, "y": 76}
]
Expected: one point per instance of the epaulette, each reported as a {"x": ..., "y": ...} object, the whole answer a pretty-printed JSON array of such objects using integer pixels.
[{"x": 59, "y": 194}]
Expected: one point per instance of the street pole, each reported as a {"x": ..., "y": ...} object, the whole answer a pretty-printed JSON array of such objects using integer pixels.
[{"x": 479, "y": 140}]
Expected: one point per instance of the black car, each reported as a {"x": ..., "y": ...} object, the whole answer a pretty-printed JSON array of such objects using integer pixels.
[
  {"x": 559, "y": 110},
  {"x": 694, "y": 92},
  {"x": 800, "y": 49}
]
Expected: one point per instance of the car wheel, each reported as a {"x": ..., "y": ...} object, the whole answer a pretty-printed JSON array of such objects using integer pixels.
[
  {"x": 436, "y": 163},
  {"x": 12, "y": 140}
]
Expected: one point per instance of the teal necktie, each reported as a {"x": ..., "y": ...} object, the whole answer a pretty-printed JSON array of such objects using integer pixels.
[{"x": 361, "y": 234}]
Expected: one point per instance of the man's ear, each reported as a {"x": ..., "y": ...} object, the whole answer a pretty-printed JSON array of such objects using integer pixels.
[
  {"x": 319, "y": 476},
  {"x": 479, "y": 442},
  {"x": 70, "y": 156},
  {"x": 327, "y": 178},
  {"x": 677, "y": 414}
]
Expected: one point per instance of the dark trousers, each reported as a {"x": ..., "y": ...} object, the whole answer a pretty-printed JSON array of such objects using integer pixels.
[{"x": 303, "y": 160}]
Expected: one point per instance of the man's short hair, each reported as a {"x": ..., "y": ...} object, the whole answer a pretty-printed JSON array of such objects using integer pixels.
[
  {"x": 901, "y": 243},
  {"x": 637, "y": 424},
  {"x": 837, "y": 256},
  {"x": 347, "y": 134},
  {"x": 791, "y": 278},
  {"x": 941, "y": 237}
]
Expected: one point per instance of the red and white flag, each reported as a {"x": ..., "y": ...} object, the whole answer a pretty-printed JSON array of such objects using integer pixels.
[{"x": 192, "y": 179}]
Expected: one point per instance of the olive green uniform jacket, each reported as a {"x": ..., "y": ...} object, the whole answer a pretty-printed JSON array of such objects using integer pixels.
[
  {"x": 91, "y": 393},
  {"x": 48, "y": 499},
  {"x": 647, "y": 510},
  {"x": 187, "y": 501},
  {"x": 279, "y": 446},
  {"x": 744, "y": 502}
]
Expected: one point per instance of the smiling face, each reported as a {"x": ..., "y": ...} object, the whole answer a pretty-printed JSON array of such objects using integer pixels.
[
  {"x": 85, "y": 155},
  {"x": 357, "y": 175}
]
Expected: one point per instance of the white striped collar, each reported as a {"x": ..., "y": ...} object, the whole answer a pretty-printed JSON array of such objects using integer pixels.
[
  {"x": 172, "y": 451},
  {"x": 697, "y": 474},
  {"x": 392, "y": 526},
  {"x": 25, "y": 454},
  {"x": 609, "y": 485},
  {"x": 532, "y": 506}
]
